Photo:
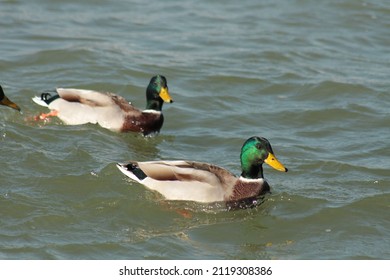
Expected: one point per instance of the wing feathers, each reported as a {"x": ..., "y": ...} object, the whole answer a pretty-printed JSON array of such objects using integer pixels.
[{"x": 87, "y": 97}]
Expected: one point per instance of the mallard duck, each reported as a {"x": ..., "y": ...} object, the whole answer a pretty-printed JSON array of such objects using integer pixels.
[
  {"x": 111, "y": 111},
  {"x": 205, "y": 182},
  {"x": 4, "y": 100}
]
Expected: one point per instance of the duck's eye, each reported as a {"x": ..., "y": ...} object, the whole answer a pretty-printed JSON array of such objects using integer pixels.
[{"x": 258, "y": 146}]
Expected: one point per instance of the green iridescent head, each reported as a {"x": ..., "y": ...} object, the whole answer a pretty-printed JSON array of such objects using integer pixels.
[
  {"x": 6, "y": 102},
  {"x": 254, "y": 152},
  {"x": 157, "y": 93}
]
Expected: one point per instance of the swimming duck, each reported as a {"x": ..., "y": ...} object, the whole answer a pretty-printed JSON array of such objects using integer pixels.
[
  {"x": 205, "y": 182},
  {"x": 4, "y": 100},
  {"x": 111, "y": 111}
]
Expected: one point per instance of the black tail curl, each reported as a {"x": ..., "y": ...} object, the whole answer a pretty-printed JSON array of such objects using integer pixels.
[
  {"x": 136, "y": 171},
  {"x": 48, "y": 98},
  {"x": 133, "y": 168}
]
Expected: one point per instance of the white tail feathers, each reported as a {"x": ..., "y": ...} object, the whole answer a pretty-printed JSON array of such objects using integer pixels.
[{"x": 39, "y": 101}]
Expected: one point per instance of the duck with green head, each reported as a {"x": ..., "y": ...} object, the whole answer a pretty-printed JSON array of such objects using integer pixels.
[
  {"x": 4, "y": 100},
  {"x": 205, "y": 182},
  {"x": 111, "y": 111}
]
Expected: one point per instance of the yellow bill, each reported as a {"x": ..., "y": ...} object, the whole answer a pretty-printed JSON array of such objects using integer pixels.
[
  {"x": 272, "y": 161},
  {"x": 164, "y": 94}
]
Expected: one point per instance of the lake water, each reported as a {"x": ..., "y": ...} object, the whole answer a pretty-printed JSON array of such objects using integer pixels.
[{"x": 311, "y": 76}]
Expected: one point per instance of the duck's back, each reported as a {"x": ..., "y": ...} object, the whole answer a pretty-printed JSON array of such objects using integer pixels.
[{"x": 78, "y": 106}]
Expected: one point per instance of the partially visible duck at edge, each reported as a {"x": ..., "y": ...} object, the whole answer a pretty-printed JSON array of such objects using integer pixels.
[
  {"x": 4, "y": 100},
  {"x": 111, "y": 111}
]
